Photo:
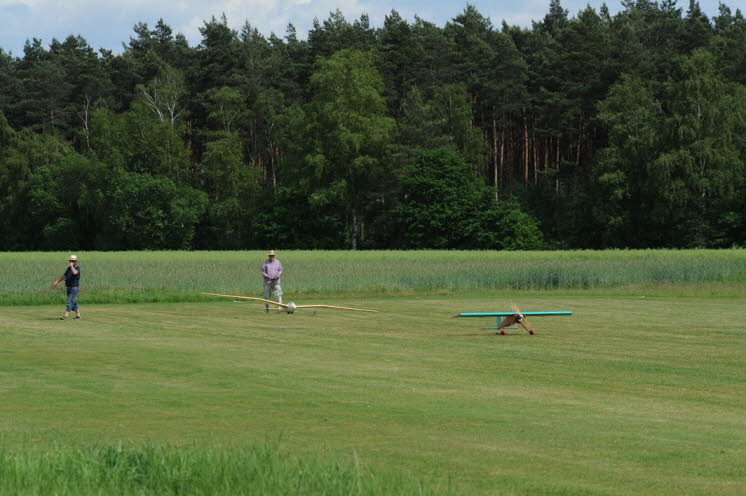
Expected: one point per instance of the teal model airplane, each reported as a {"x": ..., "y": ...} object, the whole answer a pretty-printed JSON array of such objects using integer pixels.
[{"x": 507, "y": 320}]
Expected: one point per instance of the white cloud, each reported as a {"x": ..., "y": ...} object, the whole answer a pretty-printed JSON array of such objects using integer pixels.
[
  {"x": 108, "y": 23},
  {"x": 272, "y": 15},
  {"x": 21, "y": 3}
]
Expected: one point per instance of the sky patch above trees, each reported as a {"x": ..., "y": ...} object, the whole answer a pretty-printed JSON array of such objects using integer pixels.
[{"x": 107, "y": 23}]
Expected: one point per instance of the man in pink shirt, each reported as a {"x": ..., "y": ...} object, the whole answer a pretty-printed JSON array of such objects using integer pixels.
[{"x": 271, "y": 272}]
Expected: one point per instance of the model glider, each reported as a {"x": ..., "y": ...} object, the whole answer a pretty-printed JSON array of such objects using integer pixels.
[
  {"x": 289, "y": 307},
  {"x": 508, "y": 319}
]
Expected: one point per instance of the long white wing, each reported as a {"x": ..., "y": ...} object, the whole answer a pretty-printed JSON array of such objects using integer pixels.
[
  {"x": 337, "y": 308},
  {"x": 269, "y": 302}
]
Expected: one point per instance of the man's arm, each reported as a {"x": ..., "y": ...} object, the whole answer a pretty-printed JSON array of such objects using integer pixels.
[
  {"x": 55, "y": 283},
  {"x": 74, "y": 270}
]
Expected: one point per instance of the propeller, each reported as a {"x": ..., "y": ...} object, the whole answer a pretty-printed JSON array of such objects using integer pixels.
[{"x": 516, "y": 318}]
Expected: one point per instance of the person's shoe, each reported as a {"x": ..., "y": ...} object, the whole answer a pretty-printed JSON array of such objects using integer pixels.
[
  {"x": 266, "y": 310},
  {"x": 77, "y": 317},
  {"x": 63, "y": 317}
]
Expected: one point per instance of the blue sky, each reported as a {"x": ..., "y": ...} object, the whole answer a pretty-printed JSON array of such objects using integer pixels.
[{"x": 108, "y": 23}]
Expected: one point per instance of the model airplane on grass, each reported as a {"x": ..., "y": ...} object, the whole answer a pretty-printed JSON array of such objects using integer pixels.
[
  {"x": 507, "y": 319},
  {"x": 289, "y": 307}
]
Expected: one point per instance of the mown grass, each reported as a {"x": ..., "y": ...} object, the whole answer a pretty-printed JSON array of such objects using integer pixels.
[
  {"x": 169, "y": 470},
  {"x": 628, "y": 396},
  {"x": 129, "y": 277}
]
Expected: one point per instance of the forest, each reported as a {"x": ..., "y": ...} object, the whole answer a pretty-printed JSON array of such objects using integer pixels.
[{"x": 584, "y": 130}]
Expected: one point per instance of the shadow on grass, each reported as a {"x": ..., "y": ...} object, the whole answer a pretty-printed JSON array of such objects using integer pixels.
[{"x": 507, "y": 335}]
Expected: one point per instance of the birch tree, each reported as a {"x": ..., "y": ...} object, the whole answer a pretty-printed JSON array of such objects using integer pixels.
[{"x": 163, "y": 94}]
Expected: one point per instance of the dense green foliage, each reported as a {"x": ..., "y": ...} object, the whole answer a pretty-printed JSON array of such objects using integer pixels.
[
  {"x": 599, "y": 130},
  {"x": 465, "y": 215},
  {"x": 170, "y": 276}
]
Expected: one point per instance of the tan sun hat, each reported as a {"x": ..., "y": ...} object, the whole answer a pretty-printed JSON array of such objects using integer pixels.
[
  {"x": 74, "y": 258},
  {"x": 271, "y": 253}
]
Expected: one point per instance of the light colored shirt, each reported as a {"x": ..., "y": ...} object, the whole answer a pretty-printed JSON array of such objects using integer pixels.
[{"x": 272, "y": 269}]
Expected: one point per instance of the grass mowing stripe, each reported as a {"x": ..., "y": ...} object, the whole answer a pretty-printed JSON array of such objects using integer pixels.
[
  {"x": 603, "y": 402},
  {"x": 129, "y": 277}
]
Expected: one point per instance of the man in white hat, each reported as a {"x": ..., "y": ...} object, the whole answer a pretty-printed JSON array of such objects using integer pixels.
[
  {"x": 271, "y": 272},
  {"x": 72, "y": 283}
]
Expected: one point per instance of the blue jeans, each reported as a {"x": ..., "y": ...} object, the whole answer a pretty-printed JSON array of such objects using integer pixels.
[{"x": 72, "y": 298}]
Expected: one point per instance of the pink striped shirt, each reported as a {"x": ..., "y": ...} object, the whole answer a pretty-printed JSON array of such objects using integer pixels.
[{"x": 272, "y": 269}]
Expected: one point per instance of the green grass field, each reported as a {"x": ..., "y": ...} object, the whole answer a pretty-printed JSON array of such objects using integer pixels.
[
  {"x": 132, "y": 277},
  {"x": 630, "y": 395},
  {"x": 261, "y": 469}
]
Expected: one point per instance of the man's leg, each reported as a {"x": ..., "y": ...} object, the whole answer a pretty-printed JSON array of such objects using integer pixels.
[
  {"x": 278, "y": 293},
  {"x": 74, "y": 306},
  {"x": 267, "y": 291},
  {"x": 70, "y": 301}
]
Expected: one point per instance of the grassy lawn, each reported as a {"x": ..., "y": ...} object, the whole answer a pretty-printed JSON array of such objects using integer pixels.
[{"x": 630, "y": 395}]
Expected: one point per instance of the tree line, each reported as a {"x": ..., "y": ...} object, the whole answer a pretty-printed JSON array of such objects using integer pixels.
[{"x": 590, "y": 130}]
